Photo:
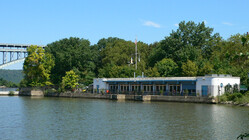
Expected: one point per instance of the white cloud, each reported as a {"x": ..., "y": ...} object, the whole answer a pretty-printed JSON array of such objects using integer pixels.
[
  {"x": 227, "y": 23},
  {"x": 205, "y": 22},
  {"x": 177, "y": 25},
  {"x": 152, "y": 24}
]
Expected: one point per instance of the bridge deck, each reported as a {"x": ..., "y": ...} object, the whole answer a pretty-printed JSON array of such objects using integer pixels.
[{"x": 17, "y": 45}]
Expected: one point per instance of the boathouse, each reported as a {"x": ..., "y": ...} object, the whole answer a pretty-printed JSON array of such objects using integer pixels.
[{"x": 208, "y": 85}]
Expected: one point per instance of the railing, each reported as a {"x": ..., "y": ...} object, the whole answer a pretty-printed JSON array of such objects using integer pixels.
[{"x": 164, "y": 93}]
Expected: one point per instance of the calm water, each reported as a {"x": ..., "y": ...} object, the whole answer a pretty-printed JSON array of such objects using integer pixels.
[{"x": 66, "y": 118}]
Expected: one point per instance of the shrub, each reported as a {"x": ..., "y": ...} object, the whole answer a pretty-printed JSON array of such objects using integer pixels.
[
  {"x": 50, "y": 91},
  {"x": 223, "y": 98},
  {"x": 242, "y": 100},
  {"x": 185, "y": 92},
  {"x": 11, "y": 93},
  {"x": 234, "y": 96}
]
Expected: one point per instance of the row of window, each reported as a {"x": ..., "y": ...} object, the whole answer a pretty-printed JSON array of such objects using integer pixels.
[{"x": 146, "y": 88}]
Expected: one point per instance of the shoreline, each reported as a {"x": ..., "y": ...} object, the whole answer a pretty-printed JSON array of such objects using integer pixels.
[{"x": 144, "y": 98}]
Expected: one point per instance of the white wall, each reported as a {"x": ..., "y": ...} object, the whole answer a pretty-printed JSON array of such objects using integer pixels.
[
  {"x": 217, "y": 82},
  {"x": 100, "y": 82},
  {"x": 214, "y": 83},
  {"x": 201, "y": 81}
]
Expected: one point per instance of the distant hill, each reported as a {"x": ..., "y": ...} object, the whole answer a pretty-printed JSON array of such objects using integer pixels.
[{"x": 14, "y": 76}]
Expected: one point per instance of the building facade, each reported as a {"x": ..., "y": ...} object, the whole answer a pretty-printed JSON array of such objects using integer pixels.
[{"x": 209, "y": 85}]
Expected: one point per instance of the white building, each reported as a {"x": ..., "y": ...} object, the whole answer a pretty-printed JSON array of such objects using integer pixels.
[{"x": 209, "y": 85}]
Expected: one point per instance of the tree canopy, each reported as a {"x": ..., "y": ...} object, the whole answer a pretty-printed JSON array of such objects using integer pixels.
[
  {"x": 191, "y": 50},
  {"x": 37, "y": 67}
]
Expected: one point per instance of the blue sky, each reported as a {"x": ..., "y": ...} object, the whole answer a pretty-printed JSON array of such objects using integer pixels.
[{"x": 43, "y": 21}]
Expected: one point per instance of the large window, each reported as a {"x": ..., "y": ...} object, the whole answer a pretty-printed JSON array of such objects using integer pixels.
[
  {"x": 147, "y": 88},
  {"x": 174, "y": 88}
]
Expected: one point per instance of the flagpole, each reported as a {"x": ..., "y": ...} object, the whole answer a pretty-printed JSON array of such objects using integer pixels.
[{"x": 136, "y": 51}]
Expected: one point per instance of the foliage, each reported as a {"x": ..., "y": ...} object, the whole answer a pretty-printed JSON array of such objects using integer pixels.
[
  {"x": 191, "y": 50},
  {"x": 189, "y": 42},
  {"x": 186, "y": 92},
  {"x": 37, "y": 67},
  {"x": 228, "y": 89},
  {"x": 242, "y": 136},
  {"x": 166, "y": 67},
  {"x": 72, "y": 53},
  {"x": 11, "y": 93},
  {"x": 7, "y": 83},
  {"x": 117, "y": 55},
  {"x": 189, "y": 69},
  {"x": 70, "y": 81},
  {"x": 14, "y": 76},
  {"x": 206, "y": 69},
  {"x": 152, "y": 72},
  {"x": 235, "y": 97},
  {"x": 223, "y": 98}
]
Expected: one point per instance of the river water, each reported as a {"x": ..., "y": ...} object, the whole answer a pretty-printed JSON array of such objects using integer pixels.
[{"x": 75, "y": 118}]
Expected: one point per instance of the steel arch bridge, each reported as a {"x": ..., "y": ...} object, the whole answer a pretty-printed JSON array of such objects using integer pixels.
[{"x": 12, "y": 53}]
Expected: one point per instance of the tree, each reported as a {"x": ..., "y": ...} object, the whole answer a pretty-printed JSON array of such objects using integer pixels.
[
  {"x": 37, "y": 67},
  {"x": 206, "y": 69},
  {"x": 167, "y": 67},
  {"x": 189, "y": 69},
  {"x": 72, "y": 53},
  {"x": 70, "y": 80},
  {"x": 152, "y": 72},
  {"x": 189, "y": 42}
]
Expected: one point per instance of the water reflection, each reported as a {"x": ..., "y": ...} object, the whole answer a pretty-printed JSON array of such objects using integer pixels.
[{"x": 69, "y": 118}]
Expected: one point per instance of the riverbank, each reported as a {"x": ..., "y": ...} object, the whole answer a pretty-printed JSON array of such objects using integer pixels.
[
  {"x": 160, "y": 98},
  {"x": 234, "y": 103},
  {"x": 190, "y": 99},
  {"x": 6, "y": 93}
]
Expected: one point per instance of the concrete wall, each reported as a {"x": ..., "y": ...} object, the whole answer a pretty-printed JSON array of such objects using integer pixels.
[
  {"x": 98, "y": 83},
  {"x": 191, "y": 99},
  {"x": 214, "y": 84},
  {"x": 6, "y": 93},
  {"x": 79, "y": 95},
  {"x": 31, "y": 92},
  {"x": 225, "y": 81}
]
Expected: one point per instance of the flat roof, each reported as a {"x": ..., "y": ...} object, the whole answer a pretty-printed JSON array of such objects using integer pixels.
[
  {"x": 158, "y": 79},
  {"x": 149, "y": 79}
]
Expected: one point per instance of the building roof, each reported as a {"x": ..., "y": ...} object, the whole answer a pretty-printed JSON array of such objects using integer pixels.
[{"x": 149, "y": 79}]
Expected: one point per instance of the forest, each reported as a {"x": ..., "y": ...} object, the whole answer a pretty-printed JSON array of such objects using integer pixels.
[
  {"x": 14, "y": 76},
  {"x": 191, "y": 50}
]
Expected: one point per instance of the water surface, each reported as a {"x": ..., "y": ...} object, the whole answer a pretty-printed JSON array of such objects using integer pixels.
[{"x": 74, "y": 118}]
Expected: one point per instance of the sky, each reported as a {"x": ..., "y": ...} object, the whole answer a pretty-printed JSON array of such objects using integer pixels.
[{"x": 41, "y": 22}]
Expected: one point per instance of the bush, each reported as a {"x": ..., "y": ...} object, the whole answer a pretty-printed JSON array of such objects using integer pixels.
[
  {"x": 11, "y": 93},
  {"x": 223, "y": 98},
  {"x": 242, "y": 100},
  {"x": 234, "y": 96},
  {"x": 50, "y": 91}
]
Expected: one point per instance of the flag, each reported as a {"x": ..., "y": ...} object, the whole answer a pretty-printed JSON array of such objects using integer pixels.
[{"x": 135, "y": 41}]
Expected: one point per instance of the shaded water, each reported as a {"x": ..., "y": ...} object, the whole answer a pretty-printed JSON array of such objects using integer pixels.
[{"x": 67, "y": 118}]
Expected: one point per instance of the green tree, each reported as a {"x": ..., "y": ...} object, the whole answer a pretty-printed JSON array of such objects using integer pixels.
[
  {"x": 190, "y": 41},
  {"x": 167, "y": 67},
  {"x": 37, "y": 67},
  {"x": 152, "y": 72},
  {"x": 206, "y": 69},
  {"x": 116, "y": 54},
  {"x": 72, "y": 53},
  {"x": 70, "y": 80},
  {"x": 189, "y": 69}
]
